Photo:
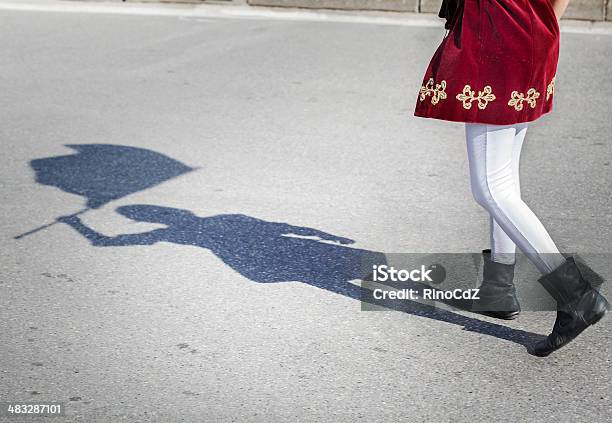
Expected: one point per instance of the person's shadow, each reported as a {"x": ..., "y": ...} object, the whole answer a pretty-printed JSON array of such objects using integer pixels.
[
  {"x": 268, "y": 252},
  {"x": 259, "y": 250}
]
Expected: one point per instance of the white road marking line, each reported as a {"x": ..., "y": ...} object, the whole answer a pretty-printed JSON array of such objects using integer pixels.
[{"x": 199, "y": 11}]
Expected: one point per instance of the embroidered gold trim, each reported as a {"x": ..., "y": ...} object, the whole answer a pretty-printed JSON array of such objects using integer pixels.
[
  {"x": 437, "y": 93},
  {"x": 517, "y": 99},
  {"x": 467, "y": 96},
  {"x": 550, "y": 90}
]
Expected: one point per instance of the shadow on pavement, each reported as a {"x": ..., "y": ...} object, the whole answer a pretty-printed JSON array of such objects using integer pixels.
[{"x": 262, "y": 251}]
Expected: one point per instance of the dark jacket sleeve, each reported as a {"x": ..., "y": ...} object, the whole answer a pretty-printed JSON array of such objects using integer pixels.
[{"x": 447, "y": 11}]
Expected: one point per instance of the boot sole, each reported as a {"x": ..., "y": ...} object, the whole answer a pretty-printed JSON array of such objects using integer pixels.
[{"x": 509, "y": 316}]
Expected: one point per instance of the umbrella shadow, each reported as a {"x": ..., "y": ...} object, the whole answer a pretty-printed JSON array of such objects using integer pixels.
[
  {"x": 106, "y": 172},
  {"x": 271, "y": 252}
]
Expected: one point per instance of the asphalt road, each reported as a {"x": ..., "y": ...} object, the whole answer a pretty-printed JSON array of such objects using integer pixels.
[{"x": 307, "y": 124}]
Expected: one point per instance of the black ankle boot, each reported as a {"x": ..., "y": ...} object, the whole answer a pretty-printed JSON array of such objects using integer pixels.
[
  {"x": 578, "y": 306},
  {"x": 497, "y": 292}
]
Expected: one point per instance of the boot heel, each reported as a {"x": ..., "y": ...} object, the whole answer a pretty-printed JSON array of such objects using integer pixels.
[
  {"x": 601, "y": 309},
  {"x": 598, "y": 318},
  {"x": 601, "y": 314}
]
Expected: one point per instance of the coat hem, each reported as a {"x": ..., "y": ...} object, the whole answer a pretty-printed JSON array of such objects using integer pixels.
[{"x": 484, "y": 121}]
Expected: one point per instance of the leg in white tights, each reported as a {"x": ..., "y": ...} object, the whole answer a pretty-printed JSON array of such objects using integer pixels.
[
  {"x": 503, "y": 249},
  {"x": 493, "y": 155}
]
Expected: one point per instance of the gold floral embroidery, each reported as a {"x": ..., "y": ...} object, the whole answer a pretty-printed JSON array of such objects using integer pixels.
[
  {"x": 483, "y": 97},
  {"x": 550, "y": 90},
  {"x": 437, "y": 93},
  {"x": 517, "y": 99}
]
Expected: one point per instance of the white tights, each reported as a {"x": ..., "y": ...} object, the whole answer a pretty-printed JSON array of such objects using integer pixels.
[{"x": 493, "y": 153}]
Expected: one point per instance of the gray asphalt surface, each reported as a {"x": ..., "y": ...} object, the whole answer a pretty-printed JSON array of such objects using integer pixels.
[{"x": 303, "y": 123}]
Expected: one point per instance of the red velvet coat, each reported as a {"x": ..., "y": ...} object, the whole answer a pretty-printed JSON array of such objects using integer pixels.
[{"x": 496, "y": 65}]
